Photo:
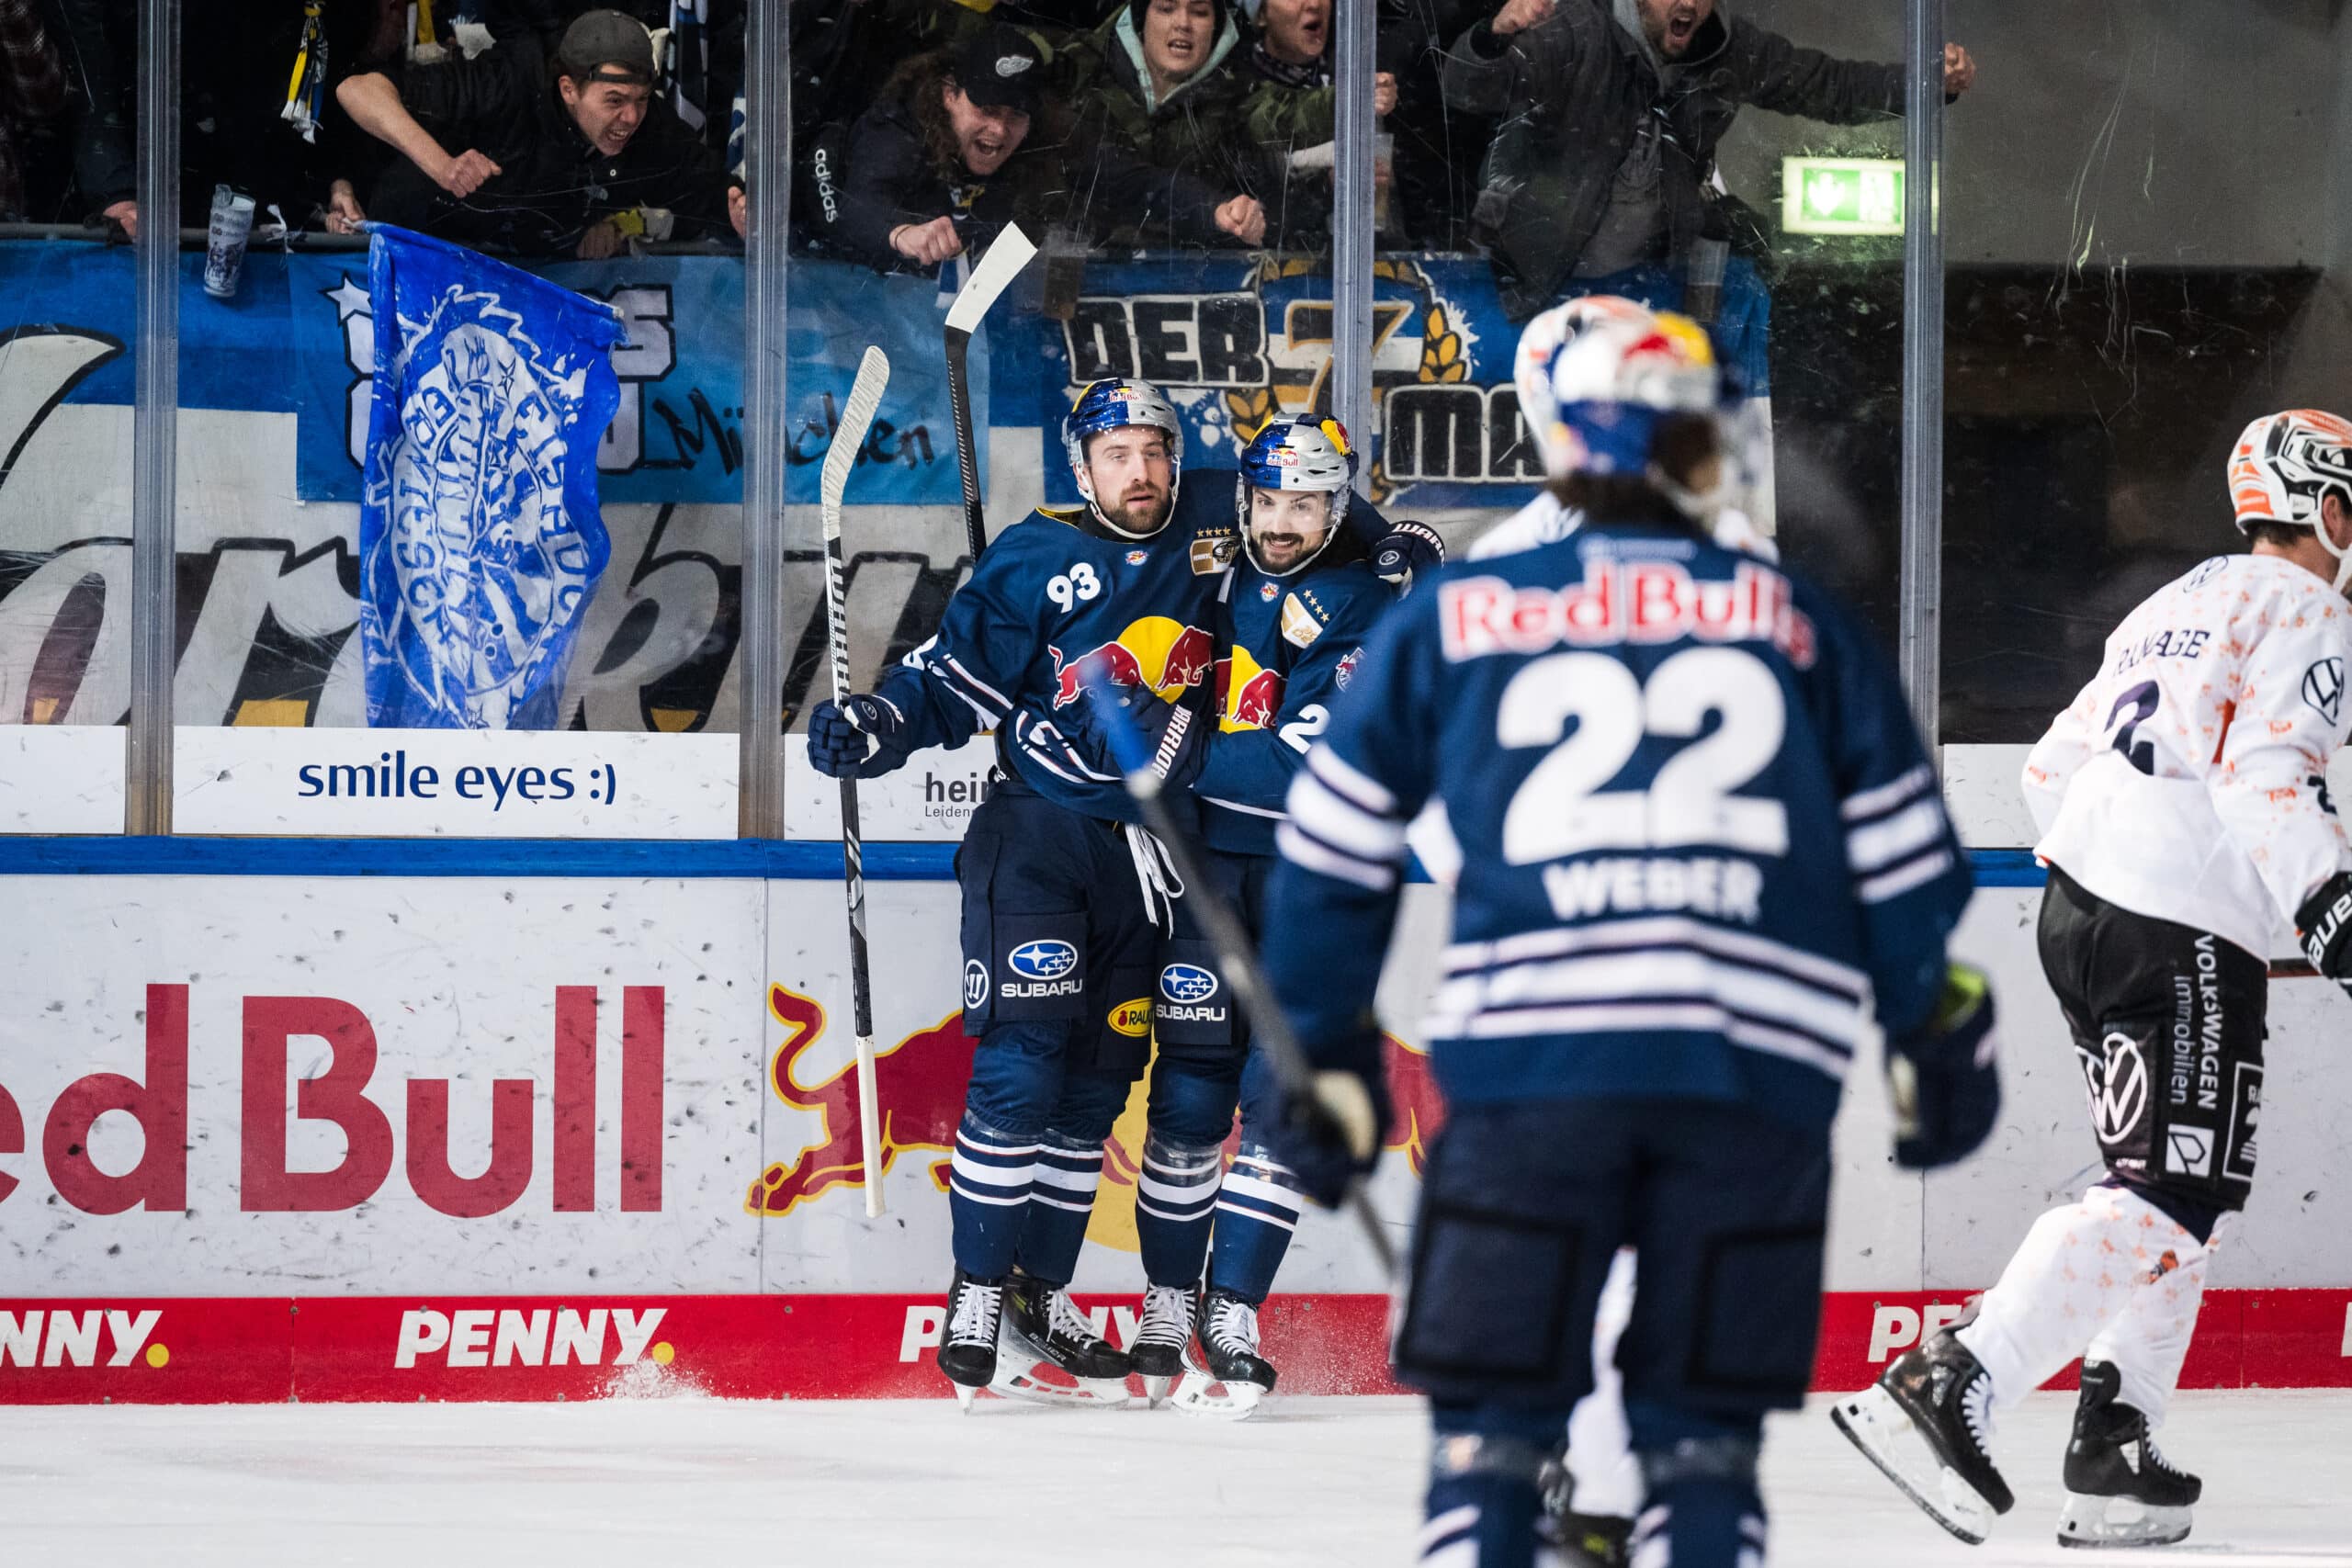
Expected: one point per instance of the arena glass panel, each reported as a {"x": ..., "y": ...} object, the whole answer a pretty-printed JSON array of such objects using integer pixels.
[
  {"x": 2135, "y": 269},
  {"x": 1657, "y": 173},
  {"x": 1181, "y": 210},
  {"x": 68, "y": 361},
  {"x": 493, "y": 483}
]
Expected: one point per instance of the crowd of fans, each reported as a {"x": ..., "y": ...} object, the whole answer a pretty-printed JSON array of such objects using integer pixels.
[{"x": 1568, "y": 137}]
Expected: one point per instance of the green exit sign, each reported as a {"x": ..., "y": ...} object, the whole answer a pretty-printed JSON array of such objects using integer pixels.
[{"x": 1841, "y": 196}]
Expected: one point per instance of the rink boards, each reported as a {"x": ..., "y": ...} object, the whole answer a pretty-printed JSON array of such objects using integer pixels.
[{"x": 279, "y": 1124}]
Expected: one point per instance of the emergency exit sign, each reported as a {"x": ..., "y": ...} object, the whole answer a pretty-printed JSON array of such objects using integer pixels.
[{"x": 1841, "y": 196}]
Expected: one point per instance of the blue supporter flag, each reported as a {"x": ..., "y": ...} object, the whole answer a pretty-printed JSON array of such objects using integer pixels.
[{"x": 479, "y": 538}]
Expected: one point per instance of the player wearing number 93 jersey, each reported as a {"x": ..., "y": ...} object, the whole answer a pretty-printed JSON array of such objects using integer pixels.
[{"x": 1701, "y": 848}]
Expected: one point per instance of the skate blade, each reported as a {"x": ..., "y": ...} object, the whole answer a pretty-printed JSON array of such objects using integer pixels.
[
  {"x": 1874, "y": 1424},
  {"x": 1197, "y": 1394},
  {"x": 1024, "y": 1371},
  {"x": 1155, "y": 1390},
  {"x": 965, "y": 1394},
  {"x": 2113, "y": 1522}
]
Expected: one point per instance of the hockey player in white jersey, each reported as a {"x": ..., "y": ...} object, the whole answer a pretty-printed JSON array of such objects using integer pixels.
[{"x": 2184, "y": 812}]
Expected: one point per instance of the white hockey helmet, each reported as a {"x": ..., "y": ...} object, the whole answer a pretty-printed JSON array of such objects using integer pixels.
[
  {"x": 1300, "y": 455},
  {"x": 1615, "y": 374},
  {"x": 2284, "y": 465}
]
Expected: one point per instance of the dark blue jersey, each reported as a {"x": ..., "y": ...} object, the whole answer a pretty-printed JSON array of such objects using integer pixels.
[
  {"x": 1287, "y": 646},
  {"x": 1702, "y": 844},
  {"x": 1055, "y": 596}
]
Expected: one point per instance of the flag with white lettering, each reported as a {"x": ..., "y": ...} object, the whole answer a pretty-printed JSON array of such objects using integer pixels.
[{"x": 479, "y": 537}]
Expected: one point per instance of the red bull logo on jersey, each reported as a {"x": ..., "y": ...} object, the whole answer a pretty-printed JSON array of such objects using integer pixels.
[
  {"x": 920, "y": 1083},
  {"x": 1156, "y": 651},
  {"x": 1621, "y": 601},
  {"x": 1248, "y": 696}
]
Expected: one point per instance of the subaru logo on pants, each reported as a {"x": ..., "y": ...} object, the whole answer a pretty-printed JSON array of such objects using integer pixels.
[
  {"x": 1187, "y": 983},
  {"x": 1043, "y": 960}
]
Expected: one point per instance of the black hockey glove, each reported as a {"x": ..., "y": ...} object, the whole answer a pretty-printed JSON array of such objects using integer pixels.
[
  {"x": 2325, "y": 925},
  {"x": 862, "y": 739},
  {"x": 1176, "y": 734},
  {"x": 1408, "y": 551},
  {"x": 1945, "y": 1077},
  {"x": 1329, "y": 1136}
]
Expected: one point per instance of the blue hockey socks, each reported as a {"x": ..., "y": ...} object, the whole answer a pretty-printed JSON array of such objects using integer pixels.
[
  {"x": 989, "y": 1183},
  {"x": 1062, "y": 1201},
  {"x": 1175, "y": 1197},
  {"x": 1483, "y": 1499},
  {"x": 1257, "y": 1209}
]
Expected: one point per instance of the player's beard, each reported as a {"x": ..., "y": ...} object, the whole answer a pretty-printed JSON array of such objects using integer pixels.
[{"x": 1143, "y": 510}]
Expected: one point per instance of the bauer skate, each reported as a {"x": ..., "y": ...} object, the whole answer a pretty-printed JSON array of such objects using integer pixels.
[
  {"x": 1051, "y": 1355},
  {"x": 1231, "y": 1378},
  {"x": 1924, "y": 1425},
  {"x": 967, "y": 1349},
  {"x": 1582, "y": 1540},
  {"x": 1162, "y": 1335},
  {"x": 2120, "y": 1490}
]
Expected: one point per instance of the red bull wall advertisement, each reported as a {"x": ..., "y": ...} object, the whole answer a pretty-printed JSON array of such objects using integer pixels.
[{"x": 357, "y": 1138}]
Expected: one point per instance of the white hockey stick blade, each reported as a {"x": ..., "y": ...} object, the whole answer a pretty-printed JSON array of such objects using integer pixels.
[
  {"x": 857, "y": 418},
  {"x": 1011, "y": 252},
  {"x": 869, "y": 1117}
]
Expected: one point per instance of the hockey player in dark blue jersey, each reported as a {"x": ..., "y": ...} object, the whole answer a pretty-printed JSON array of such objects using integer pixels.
[
  {"x": 1292, "y": 618},
  {"x": 1703, "y": 860},
  {"x": 1065, "y": 899}
]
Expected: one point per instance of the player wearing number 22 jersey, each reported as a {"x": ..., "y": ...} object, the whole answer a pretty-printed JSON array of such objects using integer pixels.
[{"x": 1703, "y": 859}]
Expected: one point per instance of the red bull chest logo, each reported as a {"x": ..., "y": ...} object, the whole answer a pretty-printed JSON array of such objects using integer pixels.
[
  {"x": 1157, "y": 652},
  {"x": 1248, "y": 695},
  {"x": 920, "y": 1082}
]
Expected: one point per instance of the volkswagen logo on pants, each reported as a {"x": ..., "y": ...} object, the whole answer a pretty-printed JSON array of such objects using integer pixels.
[{"x": 2117, "y": 1080}]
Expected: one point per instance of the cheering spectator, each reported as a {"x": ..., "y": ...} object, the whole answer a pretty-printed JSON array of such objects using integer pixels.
[
  {"x": 1154, "y": 81},
  {"x": 1609, "y": 114},
  {"x": 921, "y": 176},
  {"x": 32, "y": 86},
  {"x": 576, "y": 159},
  {"x": 1290, "y": 102}
]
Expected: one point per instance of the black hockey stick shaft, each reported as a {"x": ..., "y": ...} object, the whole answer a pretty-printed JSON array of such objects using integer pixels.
[
  {"x": 857, "y": 417},
  {"x": 1009, "y": 253},
  {"x": 1237, "y": 955}
]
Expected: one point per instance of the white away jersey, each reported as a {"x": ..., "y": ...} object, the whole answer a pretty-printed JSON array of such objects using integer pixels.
[{"x": 2187, "y": 780}]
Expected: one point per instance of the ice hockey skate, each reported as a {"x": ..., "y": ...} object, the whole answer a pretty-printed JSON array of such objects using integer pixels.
[
  {"x": 1924, "y": 1425},
  {"x": 968, "y": 1350},
  {"x": 2120, "y": 1490},
  {"x": 1051, "y": 1355},
  {"x": 1582, "y": 1540},
  {"x": 1228, "y": 1377},
  {"x": 1162, "y": 1335}
]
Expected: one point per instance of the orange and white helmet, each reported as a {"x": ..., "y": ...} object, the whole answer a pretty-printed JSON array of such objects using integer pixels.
[
  {"x": 1599, "y": 376},
  {"x": 2284, "y": 465}
]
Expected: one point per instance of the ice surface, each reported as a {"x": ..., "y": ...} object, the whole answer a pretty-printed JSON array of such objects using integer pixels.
[{"x": 700, "y": 1484}]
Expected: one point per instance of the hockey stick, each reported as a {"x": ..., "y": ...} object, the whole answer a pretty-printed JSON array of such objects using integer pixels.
[
  {"x": 857, "y": 416},
  {"x": 1251, "y": 991},
  {"x": 1010, "y": 252}
]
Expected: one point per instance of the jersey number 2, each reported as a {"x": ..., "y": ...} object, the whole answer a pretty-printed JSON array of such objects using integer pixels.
[
  {"x": 2142, "y": 700},
  {"x": 1561, "y": 809}
]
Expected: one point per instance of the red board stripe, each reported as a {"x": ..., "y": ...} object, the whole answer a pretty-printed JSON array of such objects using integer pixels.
[{"x": 233, "y": 1349}]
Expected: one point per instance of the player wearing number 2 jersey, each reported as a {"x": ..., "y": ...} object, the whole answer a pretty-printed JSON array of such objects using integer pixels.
[
  {"x": 1700, "y": 843},
  {"x": 2184, "y": 810}
]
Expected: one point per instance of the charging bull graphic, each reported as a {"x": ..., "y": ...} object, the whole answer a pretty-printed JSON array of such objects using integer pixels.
[
  {"x": 1155, "y": 652},
  {"x": 920, "y": 1082}
]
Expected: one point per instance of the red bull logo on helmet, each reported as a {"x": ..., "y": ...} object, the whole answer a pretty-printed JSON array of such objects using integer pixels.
[
  {"x": 1156, "y": 651},
  {"x": 920, "y": 1083}
]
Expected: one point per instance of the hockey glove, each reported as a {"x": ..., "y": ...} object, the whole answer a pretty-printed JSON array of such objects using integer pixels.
[
  {"x": 2324, "y": 924},
  {"x": 862, "y": 739},
  {"x": 1333, "y": 1133},
  {"x": 1408, "y": 551},
  {"x": 1945, "y": 1077},
  {"x": 1176, "y": 735}
]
